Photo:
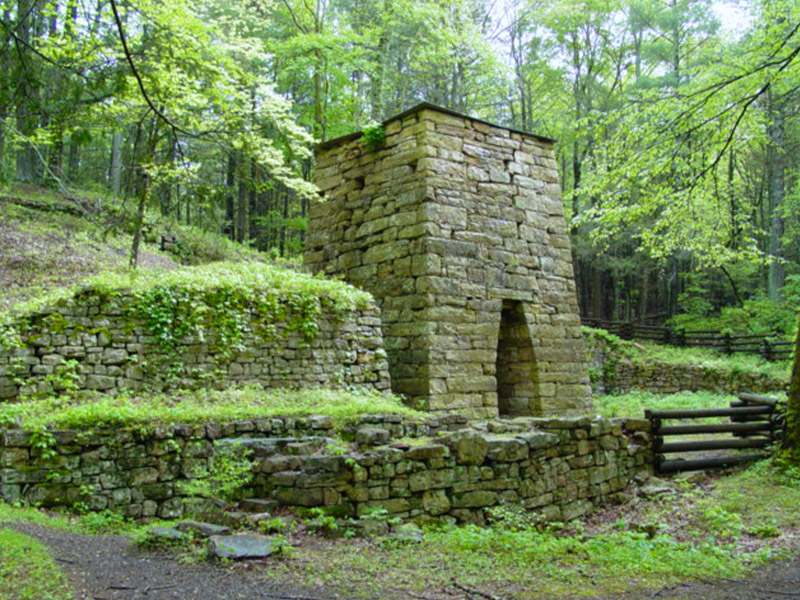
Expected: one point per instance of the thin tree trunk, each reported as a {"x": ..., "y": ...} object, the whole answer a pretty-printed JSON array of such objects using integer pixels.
[
  {"x": 776, "y": 166},
  {"x": 116, "y": 164},
  {"x": 229, "y": 228},
  {"x": 25, "y": 112},
  {"x": 137, "y": 232},
  {"x": 73, "y": 158}
]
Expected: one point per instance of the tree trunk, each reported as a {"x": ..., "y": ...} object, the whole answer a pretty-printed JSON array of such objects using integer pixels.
[
  {"x": 776, "y": 167},
  {"x": 74, "y": 158},
  {"x": 229, "y": 228},
  {"x": 27, "y": 93},
  {"x": 115, "y": 170},
  {"x": 137, "y": 232},
  {"x": 792, "y": 440}
]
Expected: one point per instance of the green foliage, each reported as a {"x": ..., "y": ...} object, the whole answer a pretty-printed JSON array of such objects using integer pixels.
[
  {"x": 373, "y": 136},
  {"x": 219, "y": 304},
  {"x": 104, "y": 521},
  {"x": 777, "y": 320},
  {"x": 231, "y": 471},
  {"x": 125, "y": 410},
  {"x": 27, "y": 572},
  {"x": 321, "y": 522},
  {"x": 43, "y": 443},
  {"x": 65, "y": 377}
]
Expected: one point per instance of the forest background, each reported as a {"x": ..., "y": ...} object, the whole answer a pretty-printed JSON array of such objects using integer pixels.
[{"x": 678, "y": 140}]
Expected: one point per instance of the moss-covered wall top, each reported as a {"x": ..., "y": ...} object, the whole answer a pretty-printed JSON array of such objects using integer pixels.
[
  {"x": 457, "y": 227},
  {"x": 209, "y": 326}
]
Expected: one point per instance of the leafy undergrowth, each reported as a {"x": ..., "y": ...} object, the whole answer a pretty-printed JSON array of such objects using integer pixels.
[
  {"x": 704, "y": 357},
  {"x": 49, "y": 241},
  {"x": 95, "y": 410},
  {"x": 246, "y": 277},
  {"x": 647, "y": 353},
  {"x": 27, "y": 572},
  {"x": 634, "y": 403},
  {"x": 721, "y": 527}
]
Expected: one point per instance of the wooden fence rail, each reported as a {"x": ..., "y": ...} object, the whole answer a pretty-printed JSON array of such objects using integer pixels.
[
  {"x": 755, "y": 423},
  {"x": 765, "y": 346}
]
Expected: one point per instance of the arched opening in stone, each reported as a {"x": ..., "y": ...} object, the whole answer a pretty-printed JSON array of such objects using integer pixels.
[{"x": 517, "y": 374}]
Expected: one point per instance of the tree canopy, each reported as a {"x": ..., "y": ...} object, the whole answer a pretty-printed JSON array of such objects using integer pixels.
[{"x": 678, "y": 137}]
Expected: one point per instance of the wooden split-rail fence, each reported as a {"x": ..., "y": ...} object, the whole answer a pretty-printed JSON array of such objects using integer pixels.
[
  {"x": 725, "y": 342},
  {"x": 682, "y": 443}
]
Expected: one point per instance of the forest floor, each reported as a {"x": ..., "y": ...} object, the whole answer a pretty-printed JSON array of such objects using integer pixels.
[
  {"x": 735, "y": 535},
  {"x": 109, "y": 567}
]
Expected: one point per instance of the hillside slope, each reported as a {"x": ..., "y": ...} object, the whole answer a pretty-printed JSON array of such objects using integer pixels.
[{"x": 49, "y": 241}]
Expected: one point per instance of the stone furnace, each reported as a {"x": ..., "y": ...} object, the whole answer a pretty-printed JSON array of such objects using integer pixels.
[{"x": 457, "y": 227}]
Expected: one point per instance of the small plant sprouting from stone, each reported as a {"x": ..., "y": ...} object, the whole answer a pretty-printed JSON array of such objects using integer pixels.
[
  {"x": 321, "y": 521},
  {"x": 231, "y": 470},
  {"x": 65, "y": 377},
  {"x": 45, "y": 442},
  {"x": 373, "y": 136}
]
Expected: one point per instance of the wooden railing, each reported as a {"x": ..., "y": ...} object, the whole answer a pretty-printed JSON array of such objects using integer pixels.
[
  {"x": 755, "y": 423},
  {"x": 765, "y": 346}
]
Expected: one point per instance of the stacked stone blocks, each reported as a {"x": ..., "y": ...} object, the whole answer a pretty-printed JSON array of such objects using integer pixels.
[
  {"x": 112, "y": 350},
  {"x": 450, "y": 221},
  {"x": 440, "y": 468}
]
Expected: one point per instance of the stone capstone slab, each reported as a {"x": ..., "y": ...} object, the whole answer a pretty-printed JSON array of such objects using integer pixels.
[
  {"x": 202, "y": 529},
  {"x": 242, "y": 546}
]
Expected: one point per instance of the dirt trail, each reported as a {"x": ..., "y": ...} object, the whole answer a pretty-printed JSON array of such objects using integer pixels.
[{"x": 108, "y": 567}]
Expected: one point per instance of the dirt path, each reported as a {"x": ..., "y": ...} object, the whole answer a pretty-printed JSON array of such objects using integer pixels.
[
  {"x": 777, "y": 582},
  {"x": 109, "y": 568}
]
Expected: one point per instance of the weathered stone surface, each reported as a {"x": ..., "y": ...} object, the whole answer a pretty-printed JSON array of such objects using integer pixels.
[
  {"x": 202, "y": 529},
  {"x": 258, "y": 505},
  {"x": 169, "y": 534},
  {"x": 537, "y": 440},
  {"x": 558, "y": 467},
  {"x": 372, "y": 436},
  {"x": 506, "y": 448},
  {"x": 242, "y": 546},
  {"x": 474, "y": 280},
  {"x": 348, "y": 350},
  {"x": 470, "y": 446}
]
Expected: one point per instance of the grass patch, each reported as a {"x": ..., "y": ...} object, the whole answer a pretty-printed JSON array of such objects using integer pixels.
[
  {"x": 765, "y": 497},
  {"x": 634, "y": 403},
  {"x": 92, "y": 410},
  {"x": 27, "y": 572},
  {"x": 509, "y": 562}
]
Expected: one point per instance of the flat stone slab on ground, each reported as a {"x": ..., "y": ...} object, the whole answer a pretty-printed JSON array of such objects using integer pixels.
[
  {"x": 204, "y": 529},
  {"x": 166, "y": 533},
  {"x": 238, "y": 547}
]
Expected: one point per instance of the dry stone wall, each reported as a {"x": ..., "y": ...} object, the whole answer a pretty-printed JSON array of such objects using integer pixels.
[
  {"x": 97, "y": 342},
  {"x": 665, "y": 378},
  {"x": 440, "y": 468},
  {"x": 613, "y": 372},
  {"x": 457, "y": 227}
]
